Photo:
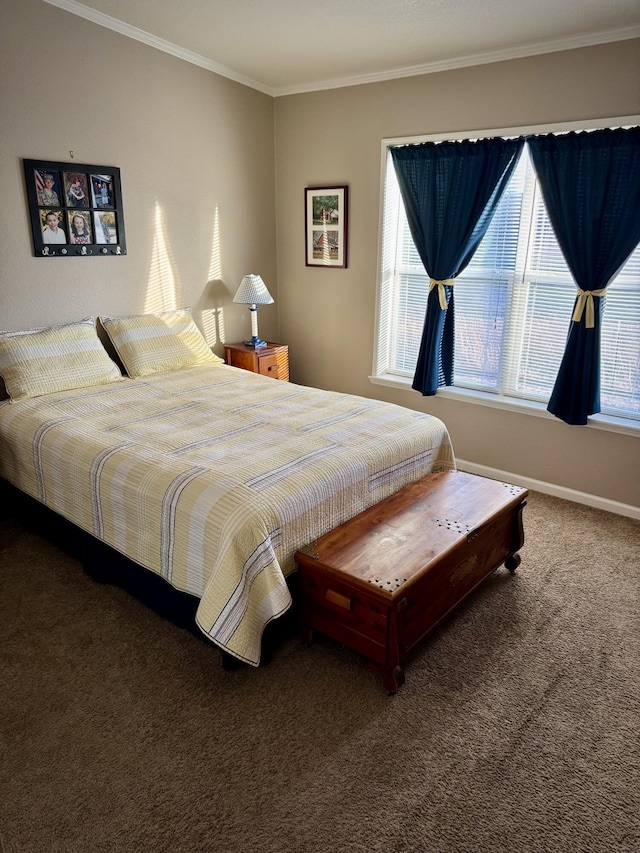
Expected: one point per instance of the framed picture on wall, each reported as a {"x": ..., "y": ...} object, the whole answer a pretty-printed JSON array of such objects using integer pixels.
[
  {"x": 75, "y": 209},
  {"x": 326, "y": 221}
]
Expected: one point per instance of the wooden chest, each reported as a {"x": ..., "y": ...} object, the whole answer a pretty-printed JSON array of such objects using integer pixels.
[{"x": 381, "y": 581}]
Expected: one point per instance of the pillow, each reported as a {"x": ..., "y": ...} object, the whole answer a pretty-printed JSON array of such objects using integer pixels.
[
  {"x": 155, "y": 343},
  {"x": 58, "y": 358}
]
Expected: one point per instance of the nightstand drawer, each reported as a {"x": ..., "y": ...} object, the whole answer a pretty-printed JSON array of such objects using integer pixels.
[{"x": 268, "y": 365}]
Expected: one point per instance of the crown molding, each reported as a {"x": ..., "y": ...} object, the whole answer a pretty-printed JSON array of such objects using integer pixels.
[
  {"x": 503, "y": 55},
  {"x": 160, "y": 44},
  {"x": 520, "y": 52}
]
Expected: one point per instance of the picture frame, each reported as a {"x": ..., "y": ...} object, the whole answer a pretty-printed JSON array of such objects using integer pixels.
[
  {"x": 326, "y": 226},
  {"x": 75, "y": 209}
]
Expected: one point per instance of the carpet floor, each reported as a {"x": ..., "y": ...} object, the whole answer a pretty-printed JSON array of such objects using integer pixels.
[{"x": 518, "y": 727}]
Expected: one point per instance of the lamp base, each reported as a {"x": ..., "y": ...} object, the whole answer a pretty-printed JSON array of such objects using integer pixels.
[{"x": 255, "y": 342}]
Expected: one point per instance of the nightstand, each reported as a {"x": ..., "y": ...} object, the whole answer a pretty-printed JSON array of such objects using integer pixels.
[{"x": 272, "y": 360}]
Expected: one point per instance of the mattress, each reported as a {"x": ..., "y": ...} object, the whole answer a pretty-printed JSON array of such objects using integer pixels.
[{"x": 213, "y": 477}]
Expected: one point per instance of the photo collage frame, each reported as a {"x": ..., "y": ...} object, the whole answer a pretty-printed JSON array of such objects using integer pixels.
[{"x": 75, "y": 209}]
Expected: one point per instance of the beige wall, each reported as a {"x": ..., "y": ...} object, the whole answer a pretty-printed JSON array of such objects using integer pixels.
[
  {"x": 196, "y": 154},
  {"x": 327, "y": 316}
]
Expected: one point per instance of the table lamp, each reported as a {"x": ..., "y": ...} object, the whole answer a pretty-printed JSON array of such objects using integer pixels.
[{"x": 253, "y": 292}]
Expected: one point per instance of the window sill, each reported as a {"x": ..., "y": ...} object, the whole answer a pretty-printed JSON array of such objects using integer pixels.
[{"x": 623, "y": 426}]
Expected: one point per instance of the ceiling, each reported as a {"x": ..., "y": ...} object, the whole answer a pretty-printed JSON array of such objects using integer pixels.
[{"x": 287, "y": 46}]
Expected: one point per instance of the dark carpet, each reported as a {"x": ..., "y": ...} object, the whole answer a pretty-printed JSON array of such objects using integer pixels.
[{"x": 517, "y": 728}]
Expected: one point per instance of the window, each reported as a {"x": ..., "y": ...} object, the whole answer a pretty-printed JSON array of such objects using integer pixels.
[{"x": 513, "y": 304}]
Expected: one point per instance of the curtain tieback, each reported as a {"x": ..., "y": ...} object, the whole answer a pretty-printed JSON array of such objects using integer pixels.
[
  {"x": 442, "y": 294},
  {"x": 585, "y": 300}
]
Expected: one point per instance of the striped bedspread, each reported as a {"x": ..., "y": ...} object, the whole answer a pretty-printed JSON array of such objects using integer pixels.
[{"x": 213, "y": 477}]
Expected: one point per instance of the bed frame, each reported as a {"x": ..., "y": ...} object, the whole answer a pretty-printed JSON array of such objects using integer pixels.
[{"x": 104, "y": 564}]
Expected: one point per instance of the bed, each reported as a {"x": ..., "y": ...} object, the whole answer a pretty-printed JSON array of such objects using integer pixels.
[{"x": 212, "y": 477}]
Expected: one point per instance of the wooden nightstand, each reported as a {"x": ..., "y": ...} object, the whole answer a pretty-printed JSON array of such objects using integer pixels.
[{"x": 272, "y": 360}]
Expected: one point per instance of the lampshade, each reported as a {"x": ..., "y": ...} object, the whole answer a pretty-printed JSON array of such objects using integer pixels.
[{"x": 253, "y": 291}]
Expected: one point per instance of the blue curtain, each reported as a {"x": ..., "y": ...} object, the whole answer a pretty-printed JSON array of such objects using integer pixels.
[
  {"x": 591, "y": 187},
  {"x": 450, "y": 192}
]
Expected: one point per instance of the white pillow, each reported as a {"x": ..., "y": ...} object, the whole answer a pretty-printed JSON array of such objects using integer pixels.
[
  {"x": 155, "y": 343},
  {"x": 34, "y": 362}
]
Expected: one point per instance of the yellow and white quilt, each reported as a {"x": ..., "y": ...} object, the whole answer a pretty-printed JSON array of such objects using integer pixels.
[{"x": 213, "y": 477}]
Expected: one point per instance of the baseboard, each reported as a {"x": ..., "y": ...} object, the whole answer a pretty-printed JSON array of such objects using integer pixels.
[{"x": 550, "y": 489}]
